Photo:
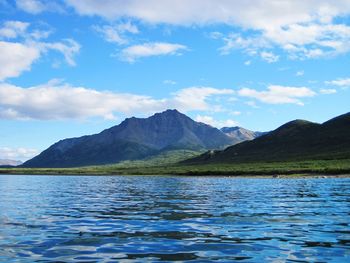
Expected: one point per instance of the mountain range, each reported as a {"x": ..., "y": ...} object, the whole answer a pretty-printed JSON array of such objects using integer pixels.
[
  {"x": 7, "y": 162},
  {"x": 239, "y": 134},
  {"x": 138, "y": 138},
  {"x": 295, "y": 140}
]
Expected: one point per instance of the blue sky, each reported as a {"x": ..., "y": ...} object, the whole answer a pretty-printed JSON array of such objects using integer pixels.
[{"x": 70, "y": 68}]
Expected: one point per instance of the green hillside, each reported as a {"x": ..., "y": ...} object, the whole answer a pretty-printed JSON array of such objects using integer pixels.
[{"x": 294, "y": 141}]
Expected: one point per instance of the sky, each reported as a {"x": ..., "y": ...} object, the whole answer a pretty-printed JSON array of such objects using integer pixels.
[{"x": 70, "y": 68}]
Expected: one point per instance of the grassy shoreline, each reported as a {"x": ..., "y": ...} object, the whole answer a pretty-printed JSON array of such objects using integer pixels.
[{"x": 258, "y": 169}]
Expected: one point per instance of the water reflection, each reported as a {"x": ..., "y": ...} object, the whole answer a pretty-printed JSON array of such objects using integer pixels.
[{"x": 95, "y": 219}]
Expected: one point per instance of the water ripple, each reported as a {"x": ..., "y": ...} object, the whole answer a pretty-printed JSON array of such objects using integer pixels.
[{"x": 136, "y": 218}]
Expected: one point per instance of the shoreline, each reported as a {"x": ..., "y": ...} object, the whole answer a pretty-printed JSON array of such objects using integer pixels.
[
  {"x": 288, "y": 169},
  {"x": 238, "y": 176}
]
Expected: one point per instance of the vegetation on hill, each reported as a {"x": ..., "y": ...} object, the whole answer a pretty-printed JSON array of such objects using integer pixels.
[{"x": 294, "y": 141}]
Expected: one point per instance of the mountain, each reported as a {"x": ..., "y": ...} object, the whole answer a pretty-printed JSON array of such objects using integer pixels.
[
  {"x": 134, "y": 138},
  {"x": 295, "y": 140},
  {"x": 239, "y": 134},
  {"x": 7, "y": 162}
]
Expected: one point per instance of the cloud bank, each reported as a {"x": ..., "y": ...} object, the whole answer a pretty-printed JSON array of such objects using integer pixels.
[
  {"x": 57, "y": 100},
  {"x": 278, "y": 94},
  {"x": 302, "y": 29},
  {"x": 259, "y": 14},
  {"x": 21, "y": 154},
  {"x": 132, "y": 53}
]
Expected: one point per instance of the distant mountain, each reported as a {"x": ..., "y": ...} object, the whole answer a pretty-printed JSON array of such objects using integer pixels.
[
  {"x": 239, "y": 134},
  {"x": 134, "y": 138},
  {"x": 6, "y": 162},
  {"x": 295, "y": 140}
]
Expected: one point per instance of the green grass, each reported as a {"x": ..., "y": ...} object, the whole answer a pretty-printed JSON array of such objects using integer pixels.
[
  {"x": 153, "y": 167},
  {"x": 164, "y": 158}
]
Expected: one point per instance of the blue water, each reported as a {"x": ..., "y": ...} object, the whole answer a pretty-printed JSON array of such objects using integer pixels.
[{"x": 152, "y": 218}]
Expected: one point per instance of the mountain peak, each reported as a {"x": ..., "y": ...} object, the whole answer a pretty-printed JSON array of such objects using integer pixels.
[
  {"x": 240, "y": 134},
  {"x": 169, "y": 112},
  {"x": 296, "y": 124}
]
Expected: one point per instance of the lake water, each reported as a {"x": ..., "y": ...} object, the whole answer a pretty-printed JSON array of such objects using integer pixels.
[{"x": 166, "y": 218}]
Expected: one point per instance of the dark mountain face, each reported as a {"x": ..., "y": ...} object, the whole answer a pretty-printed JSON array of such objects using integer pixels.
[
  {"x": 296, "y": 140},
  {"x": 133, "y": 139}
]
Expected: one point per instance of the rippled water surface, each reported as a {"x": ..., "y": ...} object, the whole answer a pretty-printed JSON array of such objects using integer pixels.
[{"x": 136, "y": 219}]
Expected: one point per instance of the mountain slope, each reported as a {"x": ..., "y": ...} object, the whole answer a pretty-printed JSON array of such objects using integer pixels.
[
  {"x": 295, "y": 140},
  {"x": 133, "y": 139}
]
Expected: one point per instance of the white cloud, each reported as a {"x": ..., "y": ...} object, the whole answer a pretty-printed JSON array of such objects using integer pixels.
[
  {"x": 21, "y": 154},
  {"x": 128, "y": 27},
  {"x": 205, "y": 119},
  {"x": 16, "y": 58},
  {"x": 13, "y": 29},
  {"x": 31, "y": 6},
  {"x": 132, "y": 53},
  {"x": 269, "y": 57},
  {"x": 345, "y": 82},
  {"x": 215, "y": 123},
  {"x": 306, "y": 34},
  {"x": 247, "y": 63},
  {"x": 228, "y": 123},
  {"x": 196, "y": 97},
  {"x": 278, "y": 94},
  {"x": 250, "y": 44},
  {"x": 39, "y": 34},
  {"x": 25, "y": 48},
  {"x": 169, "y": 82},
  {"x": 303, "y": 29},
  {"x": 236, "y": 113},
  {"x": 62, "y": 101},
  {"x": 313, "y": 40},
  {"x": 298, "y": 41},
  {"x": 252, "y": 104},
  {"x": 299, "y": 73},
  {"x": 38, "y": 6},
  {"x": 215, "y": 35},
  {"x": 68, "y": 47},
  {"x": 259, "y": 14},
  {"x": 57, "y": 100},
  {"x": 328, "y": 91},
  {"x": 116, "y": 33}
]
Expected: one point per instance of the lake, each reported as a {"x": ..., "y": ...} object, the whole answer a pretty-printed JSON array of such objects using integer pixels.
[{"x": 172, "y": 218}]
